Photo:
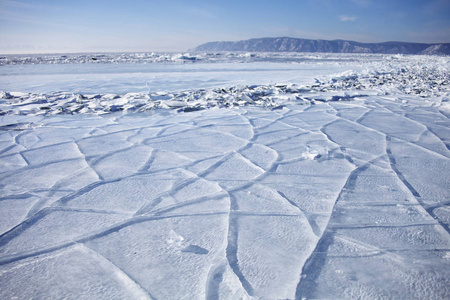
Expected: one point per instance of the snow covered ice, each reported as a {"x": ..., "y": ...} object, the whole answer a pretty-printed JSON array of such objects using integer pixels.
[{"x": 231, "y": 176}]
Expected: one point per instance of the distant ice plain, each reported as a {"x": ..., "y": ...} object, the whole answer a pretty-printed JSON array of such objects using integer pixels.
[{"x": 156, "y": 77}]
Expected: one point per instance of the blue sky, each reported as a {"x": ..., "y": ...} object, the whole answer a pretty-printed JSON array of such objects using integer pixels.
[{"x": 39, "y": 26}]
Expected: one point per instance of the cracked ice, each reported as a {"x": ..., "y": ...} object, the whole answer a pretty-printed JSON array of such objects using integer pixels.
[{"x": 314, "y": 199}]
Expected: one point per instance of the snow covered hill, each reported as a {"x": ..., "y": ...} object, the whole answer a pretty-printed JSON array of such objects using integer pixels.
[{"x": 286, "y": 44}]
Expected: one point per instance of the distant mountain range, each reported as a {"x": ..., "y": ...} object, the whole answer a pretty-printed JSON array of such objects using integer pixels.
[{"x": 286, "y": 44}]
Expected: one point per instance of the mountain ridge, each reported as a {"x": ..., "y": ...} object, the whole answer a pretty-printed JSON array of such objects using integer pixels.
[{"x": 288, "y": 44}]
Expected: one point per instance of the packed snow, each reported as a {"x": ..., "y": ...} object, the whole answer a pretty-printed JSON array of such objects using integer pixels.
[{"x": 224, "y": 176}]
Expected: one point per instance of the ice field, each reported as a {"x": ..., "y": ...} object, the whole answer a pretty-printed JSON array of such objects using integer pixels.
[{"x": 224, "y": 176}]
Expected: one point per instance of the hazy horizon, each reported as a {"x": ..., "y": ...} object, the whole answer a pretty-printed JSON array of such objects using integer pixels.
[{"x": 50, "y": 26}]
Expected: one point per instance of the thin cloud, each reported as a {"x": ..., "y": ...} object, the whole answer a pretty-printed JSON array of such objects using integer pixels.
[
  {"x": 16, "y": 4},
  {"x": 344, "y": 18},
  {"x": 12, "y": 4}
]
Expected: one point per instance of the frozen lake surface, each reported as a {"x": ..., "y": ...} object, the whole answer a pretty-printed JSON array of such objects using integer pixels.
[
  {"x": 267, "y": 179},
  {"x": 160, "y": 76}
]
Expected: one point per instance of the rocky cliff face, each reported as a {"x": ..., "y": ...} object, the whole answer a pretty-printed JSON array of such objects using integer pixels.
[{"x": 285, "y": 44}]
